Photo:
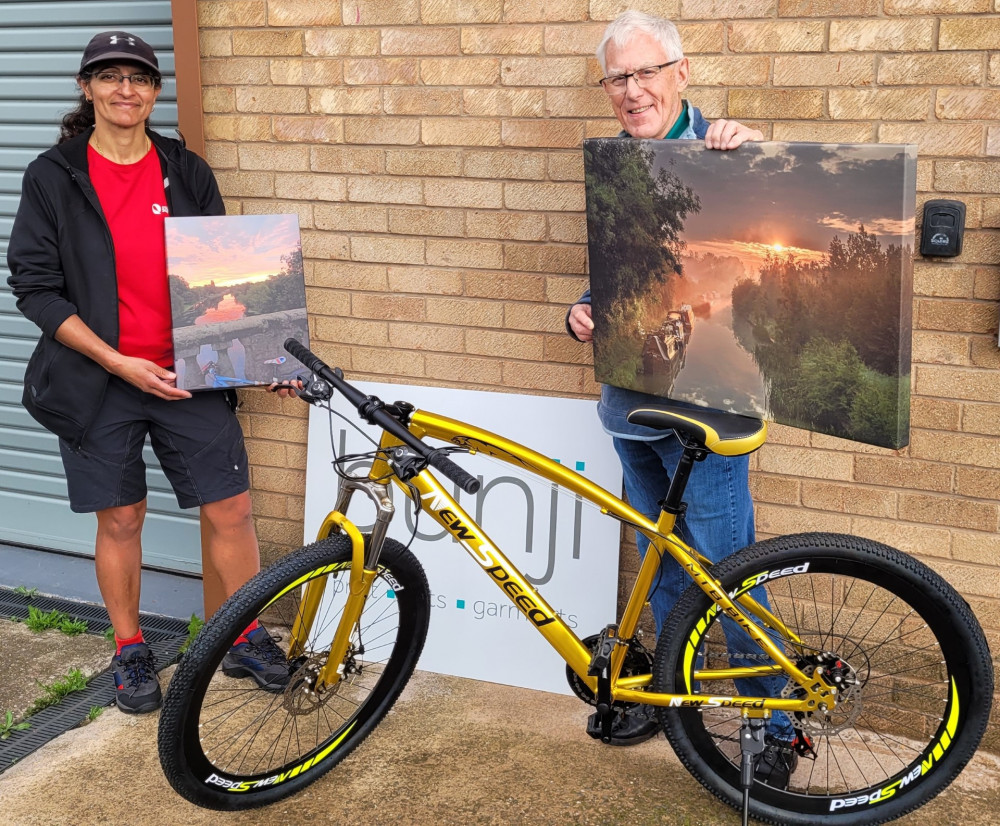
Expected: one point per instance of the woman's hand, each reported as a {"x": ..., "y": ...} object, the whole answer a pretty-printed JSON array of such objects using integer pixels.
[
  {"x": 286, "y": 389},
  {"x": 146, "y": 375},
  {"x": 149, "y": 378}
]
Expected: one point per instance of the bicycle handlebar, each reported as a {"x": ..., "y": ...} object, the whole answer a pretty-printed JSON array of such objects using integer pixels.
[
  {"x": 372, "y": 409},
  {"x": 462, "y": 478}
]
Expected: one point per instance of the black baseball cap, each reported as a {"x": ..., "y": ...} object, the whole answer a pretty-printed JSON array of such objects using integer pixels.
[{"x": 118, "y": 46}]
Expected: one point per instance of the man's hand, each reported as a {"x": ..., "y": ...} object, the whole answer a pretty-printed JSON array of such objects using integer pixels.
[
  {"x": 728, "y": 134},
  {"x": 149, "y": 377},
  {"x": 581, "y": 322}
]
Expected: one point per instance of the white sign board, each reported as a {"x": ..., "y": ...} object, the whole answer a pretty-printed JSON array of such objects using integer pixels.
[{"x": 563, "y": 545}]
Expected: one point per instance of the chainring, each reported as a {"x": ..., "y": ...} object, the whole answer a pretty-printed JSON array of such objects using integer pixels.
[{"x": 637, "y": 661}]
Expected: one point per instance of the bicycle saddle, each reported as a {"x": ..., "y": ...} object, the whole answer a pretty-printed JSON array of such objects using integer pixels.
[{"x": 727, "y": 434}]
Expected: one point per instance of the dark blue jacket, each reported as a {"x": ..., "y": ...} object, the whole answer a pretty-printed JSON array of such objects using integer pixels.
[{"x": 62, "y": 262}]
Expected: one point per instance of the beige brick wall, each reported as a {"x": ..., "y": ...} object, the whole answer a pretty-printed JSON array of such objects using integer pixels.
[{"x": 432, "y": 151}]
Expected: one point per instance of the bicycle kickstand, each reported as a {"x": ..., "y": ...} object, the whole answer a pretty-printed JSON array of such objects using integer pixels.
[{"x": 751, "y": 746}]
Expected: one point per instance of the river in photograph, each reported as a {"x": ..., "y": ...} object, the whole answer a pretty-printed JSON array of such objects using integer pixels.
[
  {"x": 228, "y": 309},
  {"x": 717, "y": 371}
]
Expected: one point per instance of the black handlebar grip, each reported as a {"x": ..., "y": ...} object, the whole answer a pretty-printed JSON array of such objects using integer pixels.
[
  {"x": 465, "y": 480},
  {"x": 305, "y": 355}
]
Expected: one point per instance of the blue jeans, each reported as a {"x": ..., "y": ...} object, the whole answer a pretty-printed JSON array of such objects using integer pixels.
[{"x": 718, "y": 522}]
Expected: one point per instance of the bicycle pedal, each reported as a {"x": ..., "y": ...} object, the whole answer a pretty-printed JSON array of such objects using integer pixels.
[
  {"x": 600, "y": 662},
  {"x": 599, "y": 724}
]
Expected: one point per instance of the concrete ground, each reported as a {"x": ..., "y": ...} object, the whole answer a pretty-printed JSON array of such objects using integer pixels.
[{"x": 452, "y": 751}]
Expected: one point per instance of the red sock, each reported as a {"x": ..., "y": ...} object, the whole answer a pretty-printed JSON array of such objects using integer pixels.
[
  {"x": 130, "y": 641},
  {"x": 242, "y": 638}
]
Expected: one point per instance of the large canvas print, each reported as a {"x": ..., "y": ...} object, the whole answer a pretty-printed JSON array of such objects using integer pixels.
[
  {"x": 774, "y": 280},
  {"x": 237, "y": 291}
]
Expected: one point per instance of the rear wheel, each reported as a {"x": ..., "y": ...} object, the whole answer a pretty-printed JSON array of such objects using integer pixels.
[
  {"x": 912, "y": 665},
  {"x": 226, "y": 743}
]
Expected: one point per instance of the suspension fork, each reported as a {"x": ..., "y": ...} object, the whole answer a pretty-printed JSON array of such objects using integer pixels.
[{"x": 364, "y": 567}]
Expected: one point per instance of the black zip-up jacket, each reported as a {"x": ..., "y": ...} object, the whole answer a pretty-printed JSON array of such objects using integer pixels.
[{"x": 62, "y": 262}]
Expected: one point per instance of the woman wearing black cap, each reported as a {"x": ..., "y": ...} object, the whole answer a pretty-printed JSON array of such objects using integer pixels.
[{"x": 88, "y": 266}]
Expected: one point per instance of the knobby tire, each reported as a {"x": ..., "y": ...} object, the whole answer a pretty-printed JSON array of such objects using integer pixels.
[
  {"x": 227, "y": 744},
  {"x": 916, "y": 670}
]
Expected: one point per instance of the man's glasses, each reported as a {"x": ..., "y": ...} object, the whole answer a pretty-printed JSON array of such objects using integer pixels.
[
  {"x": 616, "y": 85},
  {"x": 140, "y": 81}
]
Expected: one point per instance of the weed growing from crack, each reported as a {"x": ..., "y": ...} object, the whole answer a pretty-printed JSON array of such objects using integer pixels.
[
  {"x": 7, "y": 725},
  {"x": 58, "y": 689},
  {"x": 194, "y": 626},
  {"x": 42, "y": 621}
]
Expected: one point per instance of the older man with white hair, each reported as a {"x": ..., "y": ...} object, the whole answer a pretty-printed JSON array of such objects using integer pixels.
[{"x": 645, "y": 74}]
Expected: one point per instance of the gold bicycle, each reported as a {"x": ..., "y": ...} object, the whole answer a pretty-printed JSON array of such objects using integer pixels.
[{"x": 883, "y": 670}]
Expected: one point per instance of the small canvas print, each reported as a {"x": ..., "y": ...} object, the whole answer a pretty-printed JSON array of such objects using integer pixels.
[
  {"x": 774, "y": 280},
  {"x": 237, "y": 291}
]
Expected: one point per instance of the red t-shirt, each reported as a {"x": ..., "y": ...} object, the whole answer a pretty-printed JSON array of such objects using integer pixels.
[{"x": 135, "y": 204}]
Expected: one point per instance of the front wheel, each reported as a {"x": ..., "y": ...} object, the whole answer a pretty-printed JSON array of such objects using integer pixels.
[
  {"x": 227, "y": 743},
  {"x": 912, "y": 665}
]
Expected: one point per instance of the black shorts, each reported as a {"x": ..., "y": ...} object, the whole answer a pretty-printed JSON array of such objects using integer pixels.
[{"x": 198, "y": 441}]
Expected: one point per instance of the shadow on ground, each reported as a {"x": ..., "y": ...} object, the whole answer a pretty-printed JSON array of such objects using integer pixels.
[{"x": 452, "y": 752}]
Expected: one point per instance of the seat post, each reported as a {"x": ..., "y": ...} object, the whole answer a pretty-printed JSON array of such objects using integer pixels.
[{"x": 673, "y": 502}]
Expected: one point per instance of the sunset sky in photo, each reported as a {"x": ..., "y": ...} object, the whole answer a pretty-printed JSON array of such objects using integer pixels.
[
  {"x": 229, "y": 249},
  {"x": 752, "y": 206}
]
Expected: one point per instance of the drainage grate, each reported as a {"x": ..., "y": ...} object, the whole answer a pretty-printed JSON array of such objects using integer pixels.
[
  {"x": 154, "y": 627},
  {"x": 165, "y": 636}
]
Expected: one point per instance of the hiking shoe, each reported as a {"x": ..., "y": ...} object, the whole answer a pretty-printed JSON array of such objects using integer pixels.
[
  {"x": 137, "y": 690},
  {"x": 259, "y": 658},
  {"x": 776, "y": 763},
  {"x": 630, "y": 726}
]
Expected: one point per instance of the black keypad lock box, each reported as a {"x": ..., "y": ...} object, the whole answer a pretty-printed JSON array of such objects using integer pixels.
[{"x": 943, "y": 228}]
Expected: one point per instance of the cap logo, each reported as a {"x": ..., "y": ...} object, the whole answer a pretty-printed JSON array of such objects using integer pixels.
[{"x": 114, "y": 40}]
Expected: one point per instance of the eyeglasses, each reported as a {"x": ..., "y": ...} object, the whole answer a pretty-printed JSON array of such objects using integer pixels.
[
  {"x": 141, "y": 81},
  {"x": 616, "y": 85}
]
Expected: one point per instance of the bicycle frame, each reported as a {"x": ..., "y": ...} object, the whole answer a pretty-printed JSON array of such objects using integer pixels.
[{"x": 446, "y": 511}]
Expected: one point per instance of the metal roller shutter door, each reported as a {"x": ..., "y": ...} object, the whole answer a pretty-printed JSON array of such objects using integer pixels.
[{"x": 40, "y": 47}]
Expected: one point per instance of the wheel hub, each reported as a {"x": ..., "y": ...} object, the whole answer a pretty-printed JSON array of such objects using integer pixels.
[{"x": 301, "y": 695}]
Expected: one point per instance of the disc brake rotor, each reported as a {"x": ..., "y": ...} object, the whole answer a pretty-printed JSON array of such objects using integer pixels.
[
  {"x": 838, "y": 672},
  {"x": 300, "y": 695}
]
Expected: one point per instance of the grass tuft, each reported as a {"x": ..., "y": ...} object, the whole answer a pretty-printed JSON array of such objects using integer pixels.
[
  {"x": 195, "y": 625},
  {"x": 58, "y": 689},
  {"x": 8, "y": 726},
  {"x": 44, "y": 620}
]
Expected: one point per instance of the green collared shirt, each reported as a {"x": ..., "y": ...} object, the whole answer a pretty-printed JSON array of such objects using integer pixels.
[{"x": 680, "y": 125}]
